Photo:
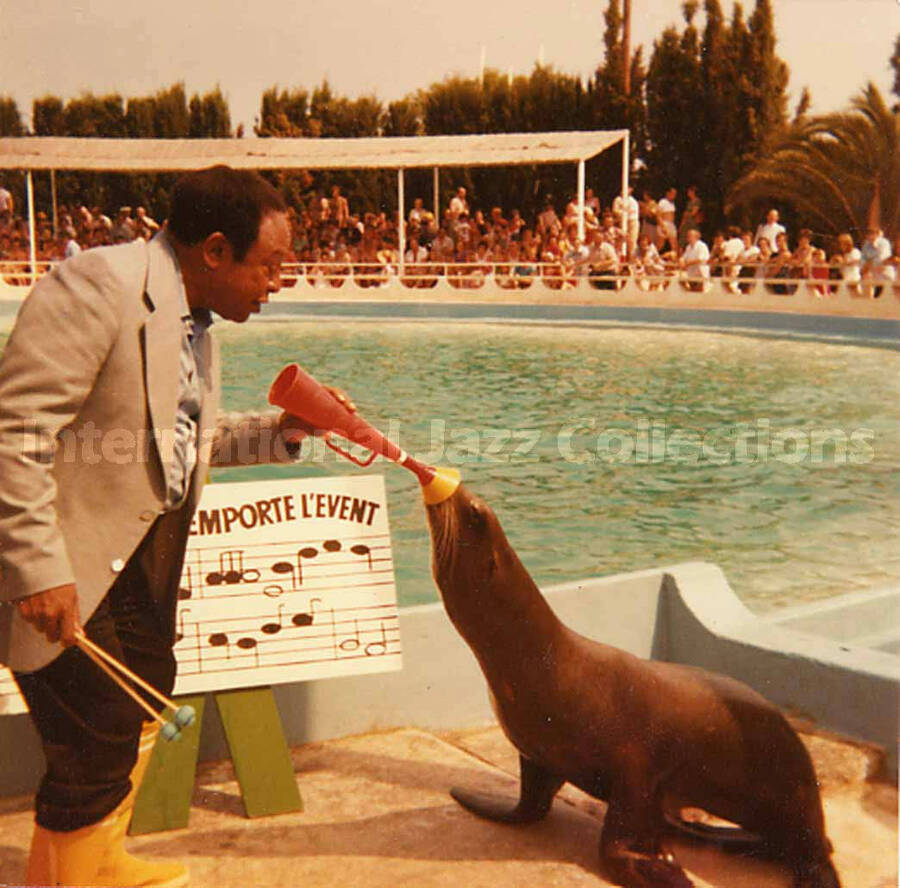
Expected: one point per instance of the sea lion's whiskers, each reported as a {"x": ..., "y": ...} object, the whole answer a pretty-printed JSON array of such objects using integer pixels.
[{"x": 445, "y": 547}]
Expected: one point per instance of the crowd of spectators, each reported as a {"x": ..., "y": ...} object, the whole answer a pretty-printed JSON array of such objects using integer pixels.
[{"x": 647, "y": 240}]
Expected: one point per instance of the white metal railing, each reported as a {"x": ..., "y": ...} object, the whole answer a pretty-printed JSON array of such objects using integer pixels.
[
  {"x": 522, "y": 275},
  {"x": 562, "y": 275}
]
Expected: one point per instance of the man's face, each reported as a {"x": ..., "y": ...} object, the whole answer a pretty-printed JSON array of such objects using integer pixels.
[
  {"x": 240, "y": 288},
  {"x": 772, "y": 218}
]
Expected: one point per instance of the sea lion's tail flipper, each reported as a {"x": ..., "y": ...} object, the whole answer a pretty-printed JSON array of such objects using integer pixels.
[
  {"x": 538, "y": 788},
  {"x": 728, "y": 838}
]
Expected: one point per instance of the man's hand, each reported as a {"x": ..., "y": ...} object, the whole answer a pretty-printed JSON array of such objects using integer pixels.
[
  {"x": 296, "y": 429},
  {"x": 53, "y": 612}
]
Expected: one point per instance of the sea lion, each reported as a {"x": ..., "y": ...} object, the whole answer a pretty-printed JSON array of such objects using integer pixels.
[{"x": 649, "y": 738}]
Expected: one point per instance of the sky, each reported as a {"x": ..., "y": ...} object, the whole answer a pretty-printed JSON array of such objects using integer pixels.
[{"x": 65, "y": 47}]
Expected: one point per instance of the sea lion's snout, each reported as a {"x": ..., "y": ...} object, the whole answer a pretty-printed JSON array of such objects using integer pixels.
[{"x": 461, "y": 532}]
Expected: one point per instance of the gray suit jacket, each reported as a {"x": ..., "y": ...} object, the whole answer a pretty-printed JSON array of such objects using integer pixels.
[{"x": 88, "y": 396}]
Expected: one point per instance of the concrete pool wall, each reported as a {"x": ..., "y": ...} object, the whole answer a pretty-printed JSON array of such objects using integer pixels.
[
  {"x": 686, "y": 613},
  {"x": 844, "y": 315}
]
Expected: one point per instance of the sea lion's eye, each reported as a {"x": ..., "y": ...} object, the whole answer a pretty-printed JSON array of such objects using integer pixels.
[{"x": 476, "y": 514}]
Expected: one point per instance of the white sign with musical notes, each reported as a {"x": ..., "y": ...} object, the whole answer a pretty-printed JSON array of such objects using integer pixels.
[{"x": 283, "y": 581}]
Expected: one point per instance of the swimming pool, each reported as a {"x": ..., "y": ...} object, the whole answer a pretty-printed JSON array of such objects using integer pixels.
[
  {"x": 615, "y": 449},
  {"x": 609, "y": 450}
]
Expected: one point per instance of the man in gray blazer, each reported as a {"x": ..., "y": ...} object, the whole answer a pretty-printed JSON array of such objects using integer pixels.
[{"x": 108, "y": 422}]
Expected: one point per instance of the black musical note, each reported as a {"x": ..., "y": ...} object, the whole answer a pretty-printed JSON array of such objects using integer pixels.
[
  {"x": 378, "y": 648},
  {"x": 285, "y": 567},
  {"x": 362, "y": 549},
  {"x": 249, "y": 644},
  {"x": 306, "y": 618},
  {"x": 185, "y": 593},
  {"x": 220, "y": 639},
  {"x": 180, "y": 633},
  {"x": 273, "y": 628},
  {"x": 231, "y": 569},
  {"x": 332, "y": 545}
]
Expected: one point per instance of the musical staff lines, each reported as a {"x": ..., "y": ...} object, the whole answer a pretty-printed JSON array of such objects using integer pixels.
[
  {"x": 309, "y": 601},
  {"x": 288, "y": 566},
  {"x": 314, "y": 635}
]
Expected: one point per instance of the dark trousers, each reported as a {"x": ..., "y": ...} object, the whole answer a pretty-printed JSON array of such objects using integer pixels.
[{"x": 88, "y": 725}]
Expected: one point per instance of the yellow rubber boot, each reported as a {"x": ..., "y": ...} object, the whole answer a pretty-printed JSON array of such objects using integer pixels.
[{"x": 95, "y": 855}]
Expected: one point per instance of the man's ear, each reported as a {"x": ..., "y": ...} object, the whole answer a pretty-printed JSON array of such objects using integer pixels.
[{"x": 216, "y": 250}]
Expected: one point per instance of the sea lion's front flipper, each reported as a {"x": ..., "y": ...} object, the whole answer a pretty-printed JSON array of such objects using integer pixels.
[{"x": 538, "y": 788}]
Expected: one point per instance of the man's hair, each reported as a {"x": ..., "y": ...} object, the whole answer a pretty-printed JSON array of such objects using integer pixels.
[{"x": 233, "y": 202}]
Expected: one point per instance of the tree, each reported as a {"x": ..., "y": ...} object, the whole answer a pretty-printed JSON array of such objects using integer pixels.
[
  {"x": 715, "y": 103},
  {"x": 611, "y": 107},
  {"x": 170, "y": 113},
  {"x": 828, "y": 168},
  {"x": 10, "y": 119},
  {"x": 403, "y": 117},
  {"x": 673, "y": 88},
  {"x": 95, "y": 116},
  {"x": 47, "y": 116},
  {"x": 209, "y": 116},
  {"x": 283, "y": 114},
  {"x": 770, "y": 78}
]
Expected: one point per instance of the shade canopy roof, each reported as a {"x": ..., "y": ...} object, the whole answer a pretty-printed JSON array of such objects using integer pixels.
[{"x": 165, "y": 155}]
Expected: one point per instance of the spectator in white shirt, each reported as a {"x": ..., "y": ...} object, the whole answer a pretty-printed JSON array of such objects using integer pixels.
[
  {"x": 648, "y": 264},
  {"x": 666, "y": 231},
  {"x": 770, "y": 229},
  {"x": 876, "y": 265},
  {"x": 695, "y": 261},
  {"x": 416, "y": 253},
  {"x": 6, "y": 207},
  {"x": 732, "y": 249},
  {"x": 603, "y": 262},
  {"x": 458, "y": 204},
  {"x": 628, "y": 214},
  {"x": 68, "y": 244},
  {"x": 849, "y": 260},
  {"x": 748, "y": 260}
]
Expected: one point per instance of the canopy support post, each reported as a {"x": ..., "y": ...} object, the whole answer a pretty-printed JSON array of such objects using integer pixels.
[
  {"x": 32, "y": 246},
  {"x": 626, "y": 153},
  {"x": 437, "y": 197},
  {"x": 55, "y": 209},
  {"x": 581, "y": 200},
  {"x": 401, "y": 216}
]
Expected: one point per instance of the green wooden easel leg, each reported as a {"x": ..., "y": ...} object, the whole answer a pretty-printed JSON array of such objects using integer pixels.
[
  {"x": 259, "y": 751},
  {"x": 164, "y": 799}
]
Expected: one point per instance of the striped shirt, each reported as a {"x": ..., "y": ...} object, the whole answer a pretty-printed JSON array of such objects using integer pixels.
[{"x": 195, "y": 326}]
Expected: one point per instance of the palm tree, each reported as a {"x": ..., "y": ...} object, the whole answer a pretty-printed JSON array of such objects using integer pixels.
[{"x": 834, "y": 169}]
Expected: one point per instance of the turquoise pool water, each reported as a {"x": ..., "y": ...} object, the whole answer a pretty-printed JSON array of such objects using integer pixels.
[{"x": 608, "y": 450}]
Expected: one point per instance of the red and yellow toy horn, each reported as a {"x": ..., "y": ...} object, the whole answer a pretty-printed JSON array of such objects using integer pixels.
[{"x": 300, "y": 394}]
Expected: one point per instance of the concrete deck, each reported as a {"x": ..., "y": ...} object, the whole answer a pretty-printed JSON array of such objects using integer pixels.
[{"x": 377, "y": 814}]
